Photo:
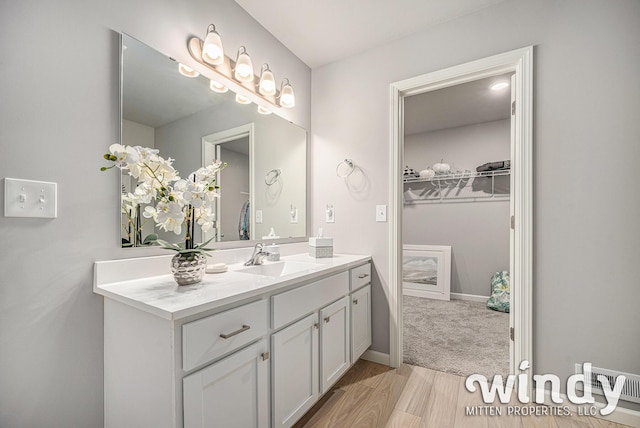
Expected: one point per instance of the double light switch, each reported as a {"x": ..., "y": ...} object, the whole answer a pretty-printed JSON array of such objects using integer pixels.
[{"x": 28, "y": 198}]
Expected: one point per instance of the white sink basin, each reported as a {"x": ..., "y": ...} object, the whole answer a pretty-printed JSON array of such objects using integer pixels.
[{"x": 278, "y": 269}]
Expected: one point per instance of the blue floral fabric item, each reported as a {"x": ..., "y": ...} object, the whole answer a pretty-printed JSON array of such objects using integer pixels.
[{"x": 499, "y": 300}]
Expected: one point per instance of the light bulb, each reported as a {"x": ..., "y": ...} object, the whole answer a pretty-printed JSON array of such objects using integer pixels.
[
  {"x": 242, "y": 100},
  {"x": 498, "y": 86},
  {"x": 244, "y": 68},
  {"x": 287, "y": 98},
  {"x": 187, "y": 71},
  {"x": 217, "y": 87},
  {"x": 267, "y": 84},
  {"x": 212, "y": 51}
]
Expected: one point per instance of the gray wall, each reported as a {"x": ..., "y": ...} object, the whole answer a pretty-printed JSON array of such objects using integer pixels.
[
  {"x": 59, "y": 113},
  {"x": 587, "y": 104},
  {"x": 478, "y": 232}
]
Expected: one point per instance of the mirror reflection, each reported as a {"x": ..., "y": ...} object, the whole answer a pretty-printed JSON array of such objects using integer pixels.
[{"x": 263, "y": 187}]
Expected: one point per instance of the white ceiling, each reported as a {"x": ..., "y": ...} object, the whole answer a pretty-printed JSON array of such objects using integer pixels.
[
  {"x": 323, "y": 31},
  {"x": 459, "y": 105}
]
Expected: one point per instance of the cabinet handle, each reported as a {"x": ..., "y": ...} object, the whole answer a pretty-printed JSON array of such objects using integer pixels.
[
  {"x": 327, "y": 319},
  {"x": 355, "y": 301},
  {"x": 316, "y": 326},
  {"x": 233, "y": 333},
  {"x": 265, "y": 356},
  {"x": 364, "y": 275}
]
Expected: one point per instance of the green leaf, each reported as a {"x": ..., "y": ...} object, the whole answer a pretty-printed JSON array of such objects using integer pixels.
[
  {"x": 202, "y": 244},
  {"x": 168, "y": 245},
  {"x": 150, "y": 239}
]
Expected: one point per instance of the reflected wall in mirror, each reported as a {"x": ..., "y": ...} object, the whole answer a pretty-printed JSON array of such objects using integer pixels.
[{"x": 185, "y": 120}]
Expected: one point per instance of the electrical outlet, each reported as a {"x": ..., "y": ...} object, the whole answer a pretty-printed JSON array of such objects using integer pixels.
[
  {"x": 381, "y": 213},
  {"x": 259, "y": 216},
  {"x": 330, "y": 214},
  {"x": 27, "y": 198},
  {"x": 293, "y": 215}
]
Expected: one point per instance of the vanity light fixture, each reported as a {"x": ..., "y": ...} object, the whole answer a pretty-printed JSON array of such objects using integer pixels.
[
  {"x": 238, "y": 75},
  {"x": 187, "y": 71},
  {"x": 287, "y": 98},
  {"x": 212, "y": 51},
  {"x": 267, "y": 85},
  {"x": 263, "y": 110},
  {"x": 242, "y": 99},
  {"x": 499, "y": 86},
  {"x": 217, "y": 87},
  {"x": 244, "y": 68}
]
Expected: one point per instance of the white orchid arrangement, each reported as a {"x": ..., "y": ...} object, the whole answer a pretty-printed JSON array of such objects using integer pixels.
[{"x": 178, "y": 201}]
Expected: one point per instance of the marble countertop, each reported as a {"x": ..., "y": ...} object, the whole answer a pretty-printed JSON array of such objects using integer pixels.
[{"x": 160, "y": 295}]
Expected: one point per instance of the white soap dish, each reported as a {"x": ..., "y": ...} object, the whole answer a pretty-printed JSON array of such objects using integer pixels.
[{"x": 217, "y": 268}]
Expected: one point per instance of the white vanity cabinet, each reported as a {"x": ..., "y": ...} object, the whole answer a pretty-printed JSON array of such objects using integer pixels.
[
  {"x": 335, "y": 340},
  {"x": 360, "y": 322},
  {"x": 233, "y": 392},
  {"x": 294, "y": 374},
  {"x": 259, "y": 358}
]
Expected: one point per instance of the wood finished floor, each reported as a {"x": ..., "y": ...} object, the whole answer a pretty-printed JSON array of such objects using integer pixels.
[{"x": 373, "y": 395}]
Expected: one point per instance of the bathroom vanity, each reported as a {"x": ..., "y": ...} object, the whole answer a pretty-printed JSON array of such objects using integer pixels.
[{"x": 252, "y": 347}]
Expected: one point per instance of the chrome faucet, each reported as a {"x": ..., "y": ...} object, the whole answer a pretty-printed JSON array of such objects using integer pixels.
[{"x": 259, "y": 253}]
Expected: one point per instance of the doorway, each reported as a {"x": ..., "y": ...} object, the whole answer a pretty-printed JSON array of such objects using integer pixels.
[
  {"x": 233, "y": 219},
  {"x": 456, "y": 240},
  {"x": 519, "y": 63}
]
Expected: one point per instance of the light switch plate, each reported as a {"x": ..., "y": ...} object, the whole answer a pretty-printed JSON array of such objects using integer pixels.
[
  {"x": 259, "y": 216},
  {"x": 381, "y": 213},
  {"x": 293, "y": 215},
  {"x": 28, "y": 198}
]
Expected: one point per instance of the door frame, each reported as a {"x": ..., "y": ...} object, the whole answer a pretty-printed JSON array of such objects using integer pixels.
[
  {"x": 210, "y": 153},
  {"x": 520, "y": 62}
]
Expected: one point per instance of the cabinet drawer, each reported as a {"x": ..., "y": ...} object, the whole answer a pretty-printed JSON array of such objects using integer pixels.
[
  {"x": 289, "y": 306},
  {"x": 360, "y": 276},
  {"x": 208, "y": 338}
]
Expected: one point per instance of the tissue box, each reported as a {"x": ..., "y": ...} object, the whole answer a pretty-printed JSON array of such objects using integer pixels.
[{"x": 321, "y": 247}]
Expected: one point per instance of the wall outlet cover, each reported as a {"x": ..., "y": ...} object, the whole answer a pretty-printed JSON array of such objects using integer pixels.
[
  {"x": 330, "y": 214},
  {"x": 259, "y": 216},
  {"x": 381, "y": 213}
]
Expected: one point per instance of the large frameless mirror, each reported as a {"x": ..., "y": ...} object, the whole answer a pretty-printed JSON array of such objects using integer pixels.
[{"x": 263, "y": 187}]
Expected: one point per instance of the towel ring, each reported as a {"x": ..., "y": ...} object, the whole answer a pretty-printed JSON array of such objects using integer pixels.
[
  {"x": 272, "y": 176},
  {"x": 350, "y": 166}
]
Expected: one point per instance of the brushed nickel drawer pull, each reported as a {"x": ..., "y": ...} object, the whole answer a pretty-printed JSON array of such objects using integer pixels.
[
  {"x": 265, "y": 356},
  {"x": 316, "y": 326},
  {"x": 327, "y": 319},
  {"x": 364, "y": 275},
  {"x": 355, "y": 301},
  {"x": 238, "y": 331}
]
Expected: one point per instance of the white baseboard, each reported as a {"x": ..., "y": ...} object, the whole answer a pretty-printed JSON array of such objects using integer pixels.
[
  {"x": 470, "y": 297},
  {"x": 376, "y": 357},
  {"x": 620, "y": 415}
]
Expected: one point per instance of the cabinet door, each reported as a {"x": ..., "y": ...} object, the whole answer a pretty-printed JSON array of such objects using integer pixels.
[
  {"x": 335, "y": 349},
  {"x": 230, "y": 393},
  {"x": 294, "y": 370},
  {"x": 360, "y": 322}
]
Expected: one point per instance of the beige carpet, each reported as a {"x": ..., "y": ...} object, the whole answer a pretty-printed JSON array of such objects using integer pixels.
[{"x": 457, "y": 336}]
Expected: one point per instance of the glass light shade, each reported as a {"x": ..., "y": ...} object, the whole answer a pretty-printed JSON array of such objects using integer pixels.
[
  {"x": 187, "y": 71},
  {"x": 242, "y": 100},
  {"x": 267, "y": 84},
  {"x": 217, "y": 87},
  {"x": 212, "y": 51},
  {"x": 244, "y": 68},
  {"x": 287, "y": 98},
  {"x": 263, "y": 110}
]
